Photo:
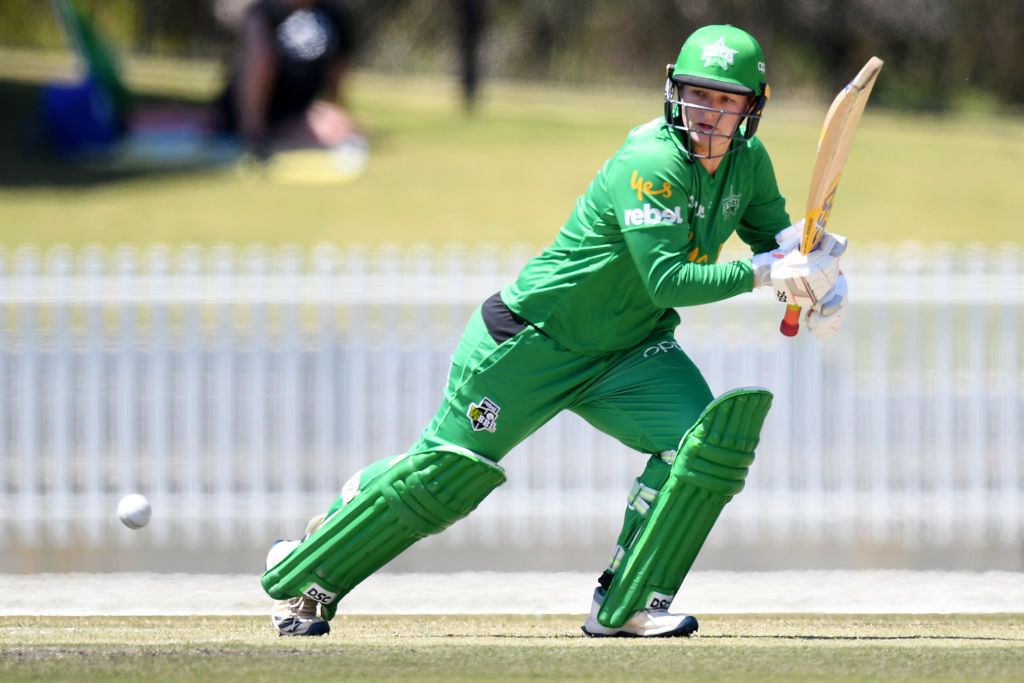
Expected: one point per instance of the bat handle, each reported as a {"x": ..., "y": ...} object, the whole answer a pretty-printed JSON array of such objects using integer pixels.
[{"x": 791, "y": 322}]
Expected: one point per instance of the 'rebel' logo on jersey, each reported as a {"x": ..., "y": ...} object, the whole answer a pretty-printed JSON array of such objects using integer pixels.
[{"x": 652, "y": 215}]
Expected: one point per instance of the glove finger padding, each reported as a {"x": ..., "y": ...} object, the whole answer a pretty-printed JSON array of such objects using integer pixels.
[
  {"x": 789, "y": 238},
  {"x": 835, "y": 299},
  {"x": 805, "y": 279},
  {"x": 833, "y": 244},
  {"x": 824, "y": 318}
]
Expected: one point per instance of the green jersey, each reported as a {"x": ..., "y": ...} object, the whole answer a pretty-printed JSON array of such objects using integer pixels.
[{"x": 645, "y": 238}]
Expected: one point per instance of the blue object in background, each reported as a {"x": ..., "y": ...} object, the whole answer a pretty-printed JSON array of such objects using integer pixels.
[{"x": 79, "y": 118}]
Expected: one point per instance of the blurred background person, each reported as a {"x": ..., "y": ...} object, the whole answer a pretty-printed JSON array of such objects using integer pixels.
[{"x": 285, "y": 84}]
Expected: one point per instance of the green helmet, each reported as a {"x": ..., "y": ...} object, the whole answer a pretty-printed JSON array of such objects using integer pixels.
[{"x": 722, "y": 58}]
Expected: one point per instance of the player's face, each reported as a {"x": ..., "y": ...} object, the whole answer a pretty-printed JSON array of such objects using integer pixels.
[{"x": 712, "y": 117}]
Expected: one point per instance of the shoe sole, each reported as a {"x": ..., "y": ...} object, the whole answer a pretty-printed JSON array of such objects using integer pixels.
[
  {"x": 684, "y": 630},
  {"x": 314, "y": 630}
]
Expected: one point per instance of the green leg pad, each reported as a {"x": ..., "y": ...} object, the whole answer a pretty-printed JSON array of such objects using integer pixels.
[
  {"x": 415, "y": 496},
  {"x": 710, "y": 468}
]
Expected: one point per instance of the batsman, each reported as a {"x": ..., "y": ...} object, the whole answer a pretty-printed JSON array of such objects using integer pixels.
[{"x": 588, "y": 326}]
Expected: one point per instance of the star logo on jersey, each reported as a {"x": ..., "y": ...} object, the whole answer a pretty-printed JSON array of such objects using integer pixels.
[
  {"x": 484, "y": 416},
  {"x": 731, "y": 204},
  {"x": 718, "y": 53}
]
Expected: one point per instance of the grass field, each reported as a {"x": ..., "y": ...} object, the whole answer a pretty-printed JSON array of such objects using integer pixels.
[
  {"x": 458, "y": 648},
  {"x": 508, "y": 174}
]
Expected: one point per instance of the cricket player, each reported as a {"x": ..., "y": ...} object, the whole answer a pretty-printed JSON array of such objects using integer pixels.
[{"x": 588, "y": 326}]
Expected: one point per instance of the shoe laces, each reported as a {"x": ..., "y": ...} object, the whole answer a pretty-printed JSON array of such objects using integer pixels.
[
  {"x": 304, "y": 608},
  {"x": 307, "y": 607}
]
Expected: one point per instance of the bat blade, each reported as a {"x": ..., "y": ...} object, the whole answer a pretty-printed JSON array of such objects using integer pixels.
[{"x": 833, "y": 147}]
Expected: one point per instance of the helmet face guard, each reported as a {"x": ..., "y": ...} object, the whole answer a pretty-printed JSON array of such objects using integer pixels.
[
  {"x": 676, "y": 116},
  {"x": 721, "y": 58}
]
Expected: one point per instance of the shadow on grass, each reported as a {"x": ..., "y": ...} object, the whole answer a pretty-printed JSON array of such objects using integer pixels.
[{"x": 26, "y": 161}]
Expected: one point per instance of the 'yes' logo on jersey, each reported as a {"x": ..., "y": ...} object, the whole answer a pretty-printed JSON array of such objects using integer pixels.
[{"x": 643, "y": 187}]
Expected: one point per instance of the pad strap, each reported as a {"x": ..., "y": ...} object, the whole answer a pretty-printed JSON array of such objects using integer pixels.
[
  {"x": 415, "y": 495},
  {"x": 710, "y": 468}
]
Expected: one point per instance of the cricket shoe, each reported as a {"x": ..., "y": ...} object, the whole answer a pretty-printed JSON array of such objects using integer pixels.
[
  {"x": 647, "y": 623},
  {"x": 296, "y": 616}
]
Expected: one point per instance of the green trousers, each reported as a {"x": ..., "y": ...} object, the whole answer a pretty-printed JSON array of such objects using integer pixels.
[{"x": 500, "y": 393}]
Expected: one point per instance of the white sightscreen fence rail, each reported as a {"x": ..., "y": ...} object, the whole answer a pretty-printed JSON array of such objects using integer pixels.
[{"x": 238, "y": 387}]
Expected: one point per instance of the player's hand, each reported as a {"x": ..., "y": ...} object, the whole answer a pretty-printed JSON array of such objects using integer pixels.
[
  {"x": 805, "y": 279},
  {"x": 824, "y": 318},
  {"x": 788, "y": 239}
]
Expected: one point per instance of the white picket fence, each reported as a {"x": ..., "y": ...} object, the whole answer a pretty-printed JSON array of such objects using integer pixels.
[{"x": 239, "y": 387}]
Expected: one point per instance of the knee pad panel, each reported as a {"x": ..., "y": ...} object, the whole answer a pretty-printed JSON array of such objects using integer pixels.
[{"x": 415, "y": 496}]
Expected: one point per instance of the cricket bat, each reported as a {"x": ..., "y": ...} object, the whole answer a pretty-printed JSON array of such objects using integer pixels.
[{"x": 833, "y": 146}]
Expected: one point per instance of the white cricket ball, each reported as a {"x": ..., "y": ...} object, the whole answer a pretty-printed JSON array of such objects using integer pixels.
[{"x": 134, "y": 510}]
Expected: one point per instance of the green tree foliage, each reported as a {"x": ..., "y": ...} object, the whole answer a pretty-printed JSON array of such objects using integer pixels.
[{"x": 937, "y": 52}]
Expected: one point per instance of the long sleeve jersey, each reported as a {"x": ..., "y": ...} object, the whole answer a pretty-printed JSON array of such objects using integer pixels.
[{"x": 645, "y": 238}]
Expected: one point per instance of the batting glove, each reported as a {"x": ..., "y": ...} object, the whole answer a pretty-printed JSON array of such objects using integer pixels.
[
  {"x": 805, "y": 279},
  {"x": 788, "y": 239},
  {"x": 824, "y": 318}
]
